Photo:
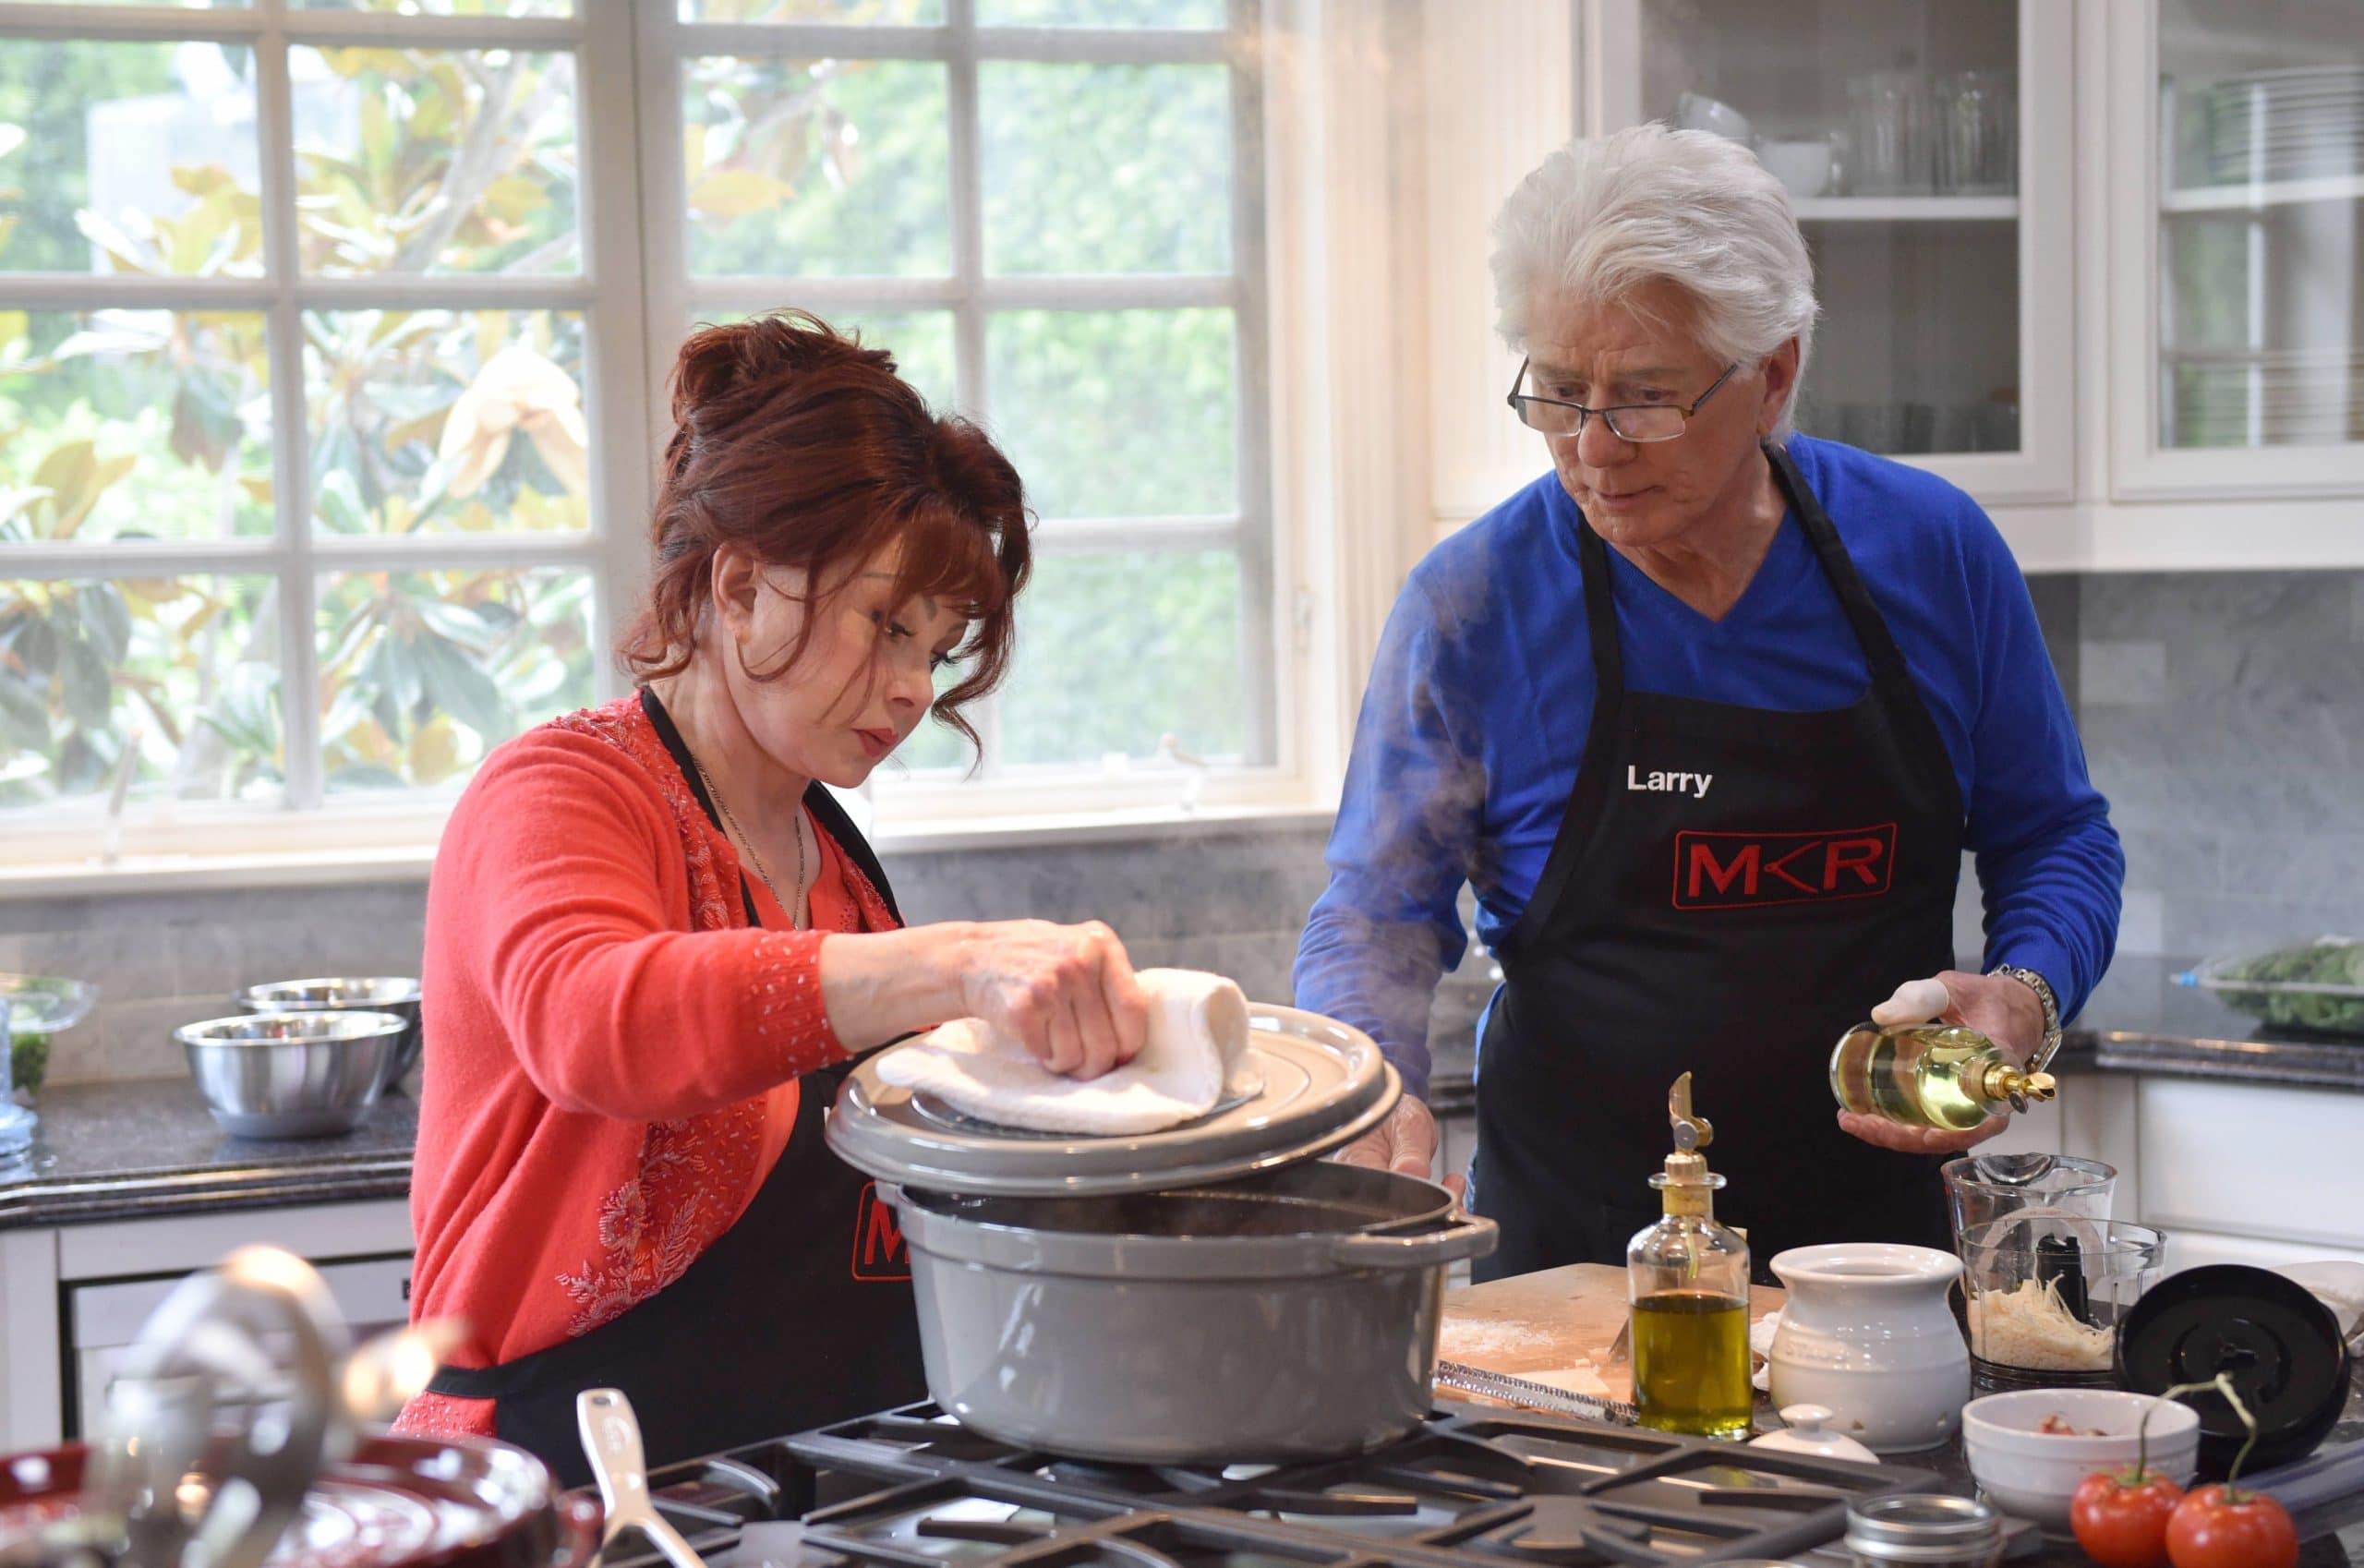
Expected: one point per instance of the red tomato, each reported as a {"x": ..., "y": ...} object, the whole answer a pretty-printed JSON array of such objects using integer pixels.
[
  {"x": 2207, "y": 1532},
  {"x": 2121, "y": 1522}
]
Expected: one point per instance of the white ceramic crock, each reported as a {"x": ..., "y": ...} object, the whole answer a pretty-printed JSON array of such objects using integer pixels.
[{"x": 1867, "y": 1332}]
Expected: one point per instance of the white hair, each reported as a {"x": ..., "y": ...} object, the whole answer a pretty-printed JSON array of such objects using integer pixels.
[{"x": 1602, "y": 217}]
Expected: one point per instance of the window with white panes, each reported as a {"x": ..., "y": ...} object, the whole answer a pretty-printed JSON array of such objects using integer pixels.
[
  {"x": 322, "y": 326},
  {"x": 1050, "y": 211},
  {"x": 297, "y": 408}
]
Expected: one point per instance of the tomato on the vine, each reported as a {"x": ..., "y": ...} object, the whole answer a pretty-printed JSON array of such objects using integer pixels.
[
  {"x": 2216, "y": 1527},
  {"x": 2121, "y": 1517}
]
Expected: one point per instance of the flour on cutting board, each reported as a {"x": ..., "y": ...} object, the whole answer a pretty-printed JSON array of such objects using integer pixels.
[{"x": 1477, "y": 1343}]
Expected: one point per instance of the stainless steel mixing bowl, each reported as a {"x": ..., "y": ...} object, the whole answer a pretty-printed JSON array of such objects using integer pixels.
[
  {"x": 291, "y": 1075},
  {"x": 383, "y": 994}
]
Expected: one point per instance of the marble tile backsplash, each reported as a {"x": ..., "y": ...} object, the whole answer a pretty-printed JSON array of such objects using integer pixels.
[
  {"x": 2222, "y": 714},
  {"x": 1234, "y": 903}
]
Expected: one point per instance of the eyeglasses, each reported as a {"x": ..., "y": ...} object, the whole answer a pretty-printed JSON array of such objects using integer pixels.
[{"x": 1635, "y": 422}]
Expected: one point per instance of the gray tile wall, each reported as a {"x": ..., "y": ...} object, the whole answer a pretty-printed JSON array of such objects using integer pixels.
[
  {"x": 1234, "y": 903},
  {"x": 2222, "y": 714}
]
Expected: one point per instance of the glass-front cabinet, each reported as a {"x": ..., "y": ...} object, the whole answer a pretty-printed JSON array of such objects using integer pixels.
[
  {"x": 2239, "y": 127},
  {"x": 1924, "y": 146}
]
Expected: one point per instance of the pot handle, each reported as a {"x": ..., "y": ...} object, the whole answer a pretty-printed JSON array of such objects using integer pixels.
[{"x": 1464, "y": 1235}]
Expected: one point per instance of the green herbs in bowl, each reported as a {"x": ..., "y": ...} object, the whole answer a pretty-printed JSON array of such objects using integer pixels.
[
  {"x": 2317, "y": 986},
  {"x": 39, "y": 1006}
]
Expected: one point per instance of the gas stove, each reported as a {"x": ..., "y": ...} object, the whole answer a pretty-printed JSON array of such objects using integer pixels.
[{"x": 1472, "y": 1487}]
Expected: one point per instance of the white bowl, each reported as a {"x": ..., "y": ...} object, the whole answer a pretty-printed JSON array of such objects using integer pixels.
[{"x": 2033, "y": 1474}]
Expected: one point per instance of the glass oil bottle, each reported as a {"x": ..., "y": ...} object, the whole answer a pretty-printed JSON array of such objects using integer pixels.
[
  {"x": 1929, "y": 1075},
  {"x": 1686, "y": 1278}
]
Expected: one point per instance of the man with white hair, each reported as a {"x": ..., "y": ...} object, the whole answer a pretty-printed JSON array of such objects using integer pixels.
[{"x": 1706, "y": 717}]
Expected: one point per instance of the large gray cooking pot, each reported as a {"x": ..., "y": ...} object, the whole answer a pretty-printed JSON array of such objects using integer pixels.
[{"x": 1289, "y": 1315}]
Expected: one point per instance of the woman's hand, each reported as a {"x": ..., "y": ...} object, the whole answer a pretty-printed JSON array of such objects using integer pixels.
[
  {"x": 1999, "y": 1007},
  {"x": 1066, "y": 992}
]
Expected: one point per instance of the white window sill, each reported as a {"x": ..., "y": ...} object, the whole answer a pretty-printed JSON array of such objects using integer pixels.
[{"x": 134, "y": 875}]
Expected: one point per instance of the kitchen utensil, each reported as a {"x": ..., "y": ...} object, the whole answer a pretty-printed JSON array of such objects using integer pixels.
[
  {"x": 396, "y": 1502},
  {"x": 1866, "y": 1332},
  {"x": 2330, "y": 1476},
  {"x": 611, "y": 1442},
  {"x": 1804, "y": 168},
  {"x": 2316, "y": 985},
  {"x": 1976, "y": 117},
  {"x": 382, "y": 994},
  {"x": 1534, "y": 1396},
  {"x": 1697, "y": 111},
  {"x": 2046, "y": 1292},
  {"x": 15, "y": 1122},
  {"x": 1927, "y": 1529},
  {"x": 1285, "y": 1315},
  {"x": 2280, "y": 1345},
  {"x": 291, "y": 1075},
  {"x": 1806, "y": 1430},
  {"x": 1888, "y": 134},
  {"x": 1324, "y": 1085},
  {"x": 1981, "y": 1189},
  {"x": 221, "y": 1414},
  {"x": 2033, "y": 1473}
]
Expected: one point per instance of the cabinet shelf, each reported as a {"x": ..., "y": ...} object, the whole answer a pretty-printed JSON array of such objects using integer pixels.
[
  {"x": 2254, "y": 197},
  {"x": 1906, "y": 209}
]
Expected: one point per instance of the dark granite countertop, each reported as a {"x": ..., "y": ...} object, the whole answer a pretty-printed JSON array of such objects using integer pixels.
[
  {"x": 148, "y": 1148},
  {"x": 2138, "y": 1019}
]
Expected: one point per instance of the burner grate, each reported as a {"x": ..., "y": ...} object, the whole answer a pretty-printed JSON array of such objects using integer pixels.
[{"x": 1470, "y": 1488}]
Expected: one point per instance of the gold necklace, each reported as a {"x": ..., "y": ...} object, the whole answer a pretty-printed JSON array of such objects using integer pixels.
[{"x": 795, "y": 914}]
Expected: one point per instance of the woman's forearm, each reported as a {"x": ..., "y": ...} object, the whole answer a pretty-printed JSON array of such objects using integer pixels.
[{"x": 879, "y": 985}]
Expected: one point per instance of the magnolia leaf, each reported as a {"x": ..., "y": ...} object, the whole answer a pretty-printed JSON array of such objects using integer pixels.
[
  {"x": 16, "y": 327},
  {"x": 458, "y": 687},
  {"x": 434, "y": 752},
  {"x": 106, "y": 621},
  {"x": 71, "y": 470},
  {"x": 258, "y": 488},
  {"x": 11, "y": 138},
  {"x": 85, "y": 684},
  {"x": 563, "y": 446},
  {"x": 736, "y": 193}
]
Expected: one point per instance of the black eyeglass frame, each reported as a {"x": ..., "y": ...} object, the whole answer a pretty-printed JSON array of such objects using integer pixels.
[{"x": 1518, "y": 403}]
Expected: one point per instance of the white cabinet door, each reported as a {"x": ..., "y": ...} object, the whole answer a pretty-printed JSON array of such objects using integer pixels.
[
  {"x": 1924, "y": 142},
  {"x": 2265, "y": 1163},
  {"x": 2236, "y": 146}
]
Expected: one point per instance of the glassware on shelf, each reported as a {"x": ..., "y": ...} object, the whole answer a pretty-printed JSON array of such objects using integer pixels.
[
  {"x": 1888, "y": 134},
  {"x": 1976, "y": 118}
]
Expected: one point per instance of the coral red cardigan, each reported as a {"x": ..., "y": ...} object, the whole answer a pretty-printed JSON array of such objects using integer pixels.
[{"x": 611, "y": 1052}]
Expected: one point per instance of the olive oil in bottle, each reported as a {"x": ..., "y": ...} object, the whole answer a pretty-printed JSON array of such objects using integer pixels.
[
  {"x": 1929, "y": 1075},
  {"x": 1691, "y": 1353},
  {"x": 1687, "y": 1280}
]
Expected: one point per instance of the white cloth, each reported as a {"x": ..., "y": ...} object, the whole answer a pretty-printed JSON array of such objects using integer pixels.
[{"x": 1195, "y": 1059}]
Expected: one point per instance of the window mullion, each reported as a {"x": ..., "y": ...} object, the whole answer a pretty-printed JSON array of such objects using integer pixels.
[
  {"x": 972, "y": 393},
  {"x": 299, "y": 689}
]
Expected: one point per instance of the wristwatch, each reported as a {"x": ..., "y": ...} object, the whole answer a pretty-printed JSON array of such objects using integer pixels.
[{"x": 2043, "y": 989}]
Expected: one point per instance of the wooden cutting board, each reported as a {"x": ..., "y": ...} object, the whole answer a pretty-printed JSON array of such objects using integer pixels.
[{"x": 1550, "y": 1321}]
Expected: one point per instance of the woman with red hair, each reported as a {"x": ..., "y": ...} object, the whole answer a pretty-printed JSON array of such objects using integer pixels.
[{"x": 653, "y": 937}]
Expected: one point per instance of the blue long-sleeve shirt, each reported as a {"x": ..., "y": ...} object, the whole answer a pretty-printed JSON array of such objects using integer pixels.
[{"x": 1474, "y": 726}]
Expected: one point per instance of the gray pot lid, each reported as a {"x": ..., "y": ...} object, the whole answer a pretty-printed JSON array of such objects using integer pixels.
[{"x": 1324, "y": 1085}]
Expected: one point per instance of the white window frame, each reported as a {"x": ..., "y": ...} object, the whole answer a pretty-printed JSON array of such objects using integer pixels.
[
  {"x": 931, "y": 802},
  {"x": 605, "y": 291},
  {"x": 1332, "y": 473}
]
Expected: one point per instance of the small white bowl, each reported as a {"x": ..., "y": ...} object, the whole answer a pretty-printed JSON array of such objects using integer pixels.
[{"x": 2033, "y": 1474}]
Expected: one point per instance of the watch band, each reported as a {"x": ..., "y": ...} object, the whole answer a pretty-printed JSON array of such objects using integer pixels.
[{"x": 2043, "y": 989}]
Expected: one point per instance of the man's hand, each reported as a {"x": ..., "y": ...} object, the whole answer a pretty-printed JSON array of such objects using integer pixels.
[
  {"x": 2001, "y": 1008},
  {"x": 1405, "y": 1143}
]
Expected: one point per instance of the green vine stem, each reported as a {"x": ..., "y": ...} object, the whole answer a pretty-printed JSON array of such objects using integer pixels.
[{"x": 2223, "y": 1383}]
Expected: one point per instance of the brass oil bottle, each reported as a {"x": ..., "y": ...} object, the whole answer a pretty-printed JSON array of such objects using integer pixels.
[
  {"x": 1929, "y": 1075},
  {"x": 1686, "y": 1278}
]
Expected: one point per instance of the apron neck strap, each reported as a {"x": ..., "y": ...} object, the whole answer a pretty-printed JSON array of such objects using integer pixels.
[{"x": 1880, "y": 652}]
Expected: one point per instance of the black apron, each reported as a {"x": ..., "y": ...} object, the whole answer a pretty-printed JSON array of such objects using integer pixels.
[
  {"x": 1733, "y": 930},
  {"x": 799, "y": 1315}
]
